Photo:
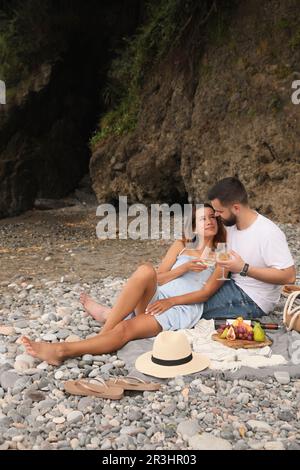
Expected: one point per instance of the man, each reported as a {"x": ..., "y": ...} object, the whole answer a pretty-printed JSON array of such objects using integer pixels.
[{"x": 260, "y": 261}]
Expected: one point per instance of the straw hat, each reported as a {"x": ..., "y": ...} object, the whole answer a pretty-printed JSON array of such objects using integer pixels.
[{"x": 171, "y": 356}]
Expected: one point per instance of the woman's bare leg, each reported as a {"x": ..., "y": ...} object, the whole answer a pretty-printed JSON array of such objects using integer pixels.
[
  {"x": 101, "y": 313},
  {"x": 97, "y": 311},
  {"x": 142, "y": 326},
  {"x": 138, "y": 291}
]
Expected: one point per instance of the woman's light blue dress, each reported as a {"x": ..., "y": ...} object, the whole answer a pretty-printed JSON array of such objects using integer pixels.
[{"x": 181, "y": 316}]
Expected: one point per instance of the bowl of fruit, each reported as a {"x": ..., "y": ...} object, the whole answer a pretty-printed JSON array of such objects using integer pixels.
[{"x": 241, "y": 334}]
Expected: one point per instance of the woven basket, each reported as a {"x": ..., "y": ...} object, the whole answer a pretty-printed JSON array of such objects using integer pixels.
[{"x": 291, "y": 312}]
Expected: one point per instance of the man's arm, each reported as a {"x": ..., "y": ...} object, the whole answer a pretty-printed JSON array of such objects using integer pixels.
[
  {"x": 274, "y": 275},
  {"x": 269, "y": 275}
]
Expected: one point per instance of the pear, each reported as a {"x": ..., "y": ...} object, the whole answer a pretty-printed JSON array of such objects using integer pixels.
[{"x": 258, "y": 333}]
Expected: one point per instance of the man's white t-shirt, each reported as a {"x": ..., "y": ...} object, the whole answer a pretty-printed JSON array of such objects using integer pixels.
[{"x": 262, "y": 245}]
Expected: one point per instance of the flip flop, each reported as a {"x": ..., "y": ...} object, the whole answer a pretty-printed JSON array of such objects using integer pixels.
[
  {"x": 86, "y": 388},
  {"x": 133, "y": 383}
]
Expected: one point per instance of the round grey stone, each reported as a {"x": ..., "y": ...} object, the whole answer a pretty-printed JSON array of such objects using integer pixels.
[
  {"x": 169, "y": 410},
  {"x": 188, "y": 428},
  {"x": 208, "y": 442},
  {"x": 286, "y": 416},
  {"x": 63, "y": 334},
  {"x": 75, "y": 417},
  {"x": 106, "y": 368},
  {"x": 21, "y": 324},
  {"x": 8, "y": 379},
  {"x": 135, "y": 415}
]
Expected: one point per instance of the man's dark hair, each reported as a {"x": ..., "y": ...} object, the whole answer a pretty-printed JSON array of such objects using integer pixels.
[{"x": 229, "y": 191}]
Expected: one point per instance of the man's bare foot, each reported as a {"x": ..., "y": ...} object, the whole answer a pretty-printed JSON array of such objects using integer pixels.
[
  {"x": 43, "y": 351},
  {"x": 97, "y": 311}
]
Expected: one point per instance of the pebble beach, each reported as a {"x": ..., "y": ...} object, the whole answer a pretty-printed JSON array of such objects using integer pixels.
[{"x": 190, "y": 412}]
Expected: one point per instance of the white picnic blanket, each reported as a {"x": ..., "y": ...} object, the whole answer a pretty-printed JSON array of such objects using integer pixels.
[{"x": 225, "y": 358}]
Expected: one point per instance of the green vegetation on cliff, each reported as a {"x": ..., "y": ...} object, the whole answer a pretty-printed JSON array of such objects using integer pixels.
[
  {"x": 166, "y": 22},
  {"x": 31, "y": 33},
  {"x": 35, "y": 32}
]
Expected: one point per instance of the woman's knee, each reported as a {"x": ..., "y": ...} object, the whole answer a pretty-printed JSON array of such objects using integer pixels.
[
  {"x": 146, "y": 270},
  {"x": 123, "y": 330}
]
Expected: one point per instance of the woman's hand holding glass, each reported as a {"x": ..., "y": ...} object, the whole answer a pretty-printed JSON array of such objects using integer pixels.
[{"x": 195, "y": 265}]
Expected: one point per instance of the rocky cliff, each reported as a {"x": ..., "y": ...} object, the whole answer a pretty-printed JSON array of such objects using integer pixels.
[
  {"x": 218, "y": 105},
  {"x": 62, "y": 52},
  {"x": 212, "y": 98}
]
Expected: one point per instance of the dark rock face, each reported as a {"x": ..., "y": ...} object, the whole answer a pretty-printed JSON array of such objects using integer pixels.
[
  {"x": 228, "y": 114},
  {"x": 45, "y": 131},
  {"x": 44, "y": 151},
  {"x": 147, "y": 165},
  {"x": 215, "y": 107}
]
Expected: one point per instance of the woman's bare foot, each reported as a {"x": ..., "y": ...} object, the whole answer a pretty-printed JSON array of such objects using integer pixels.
[
  {"x": 97, "y": 311},
  {"x": 43, "y": 351}
]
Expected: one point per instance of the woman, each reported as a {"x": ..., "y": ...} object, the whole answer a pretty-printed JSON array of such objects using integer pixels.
[{"x": 181, "y": 272}]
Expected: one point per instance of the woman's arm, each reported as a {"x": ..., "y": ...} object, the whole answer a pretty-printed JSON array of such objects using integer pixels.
[
  {"x": 165, "y": 274},
  {"x": 200, "y": 296},
  {"x": 164, "y": 271},
  {"x": 164, "y": 278}
]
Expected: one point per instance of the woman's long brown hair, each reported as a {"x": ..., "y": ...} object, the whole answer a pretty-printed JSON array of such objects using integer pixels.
[{"x": 220, "y": 236}]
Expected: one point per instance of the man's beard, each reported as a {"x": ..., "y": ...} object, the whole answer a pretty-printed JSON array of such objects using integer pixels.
[{"x": 229, "y": 222}]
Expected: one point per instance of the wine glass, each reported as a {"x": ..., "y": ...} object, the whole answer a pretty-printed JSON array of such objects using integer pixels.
[
  {"x": 209, "y": 256},
  {"x": 222, "y": 255}
]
